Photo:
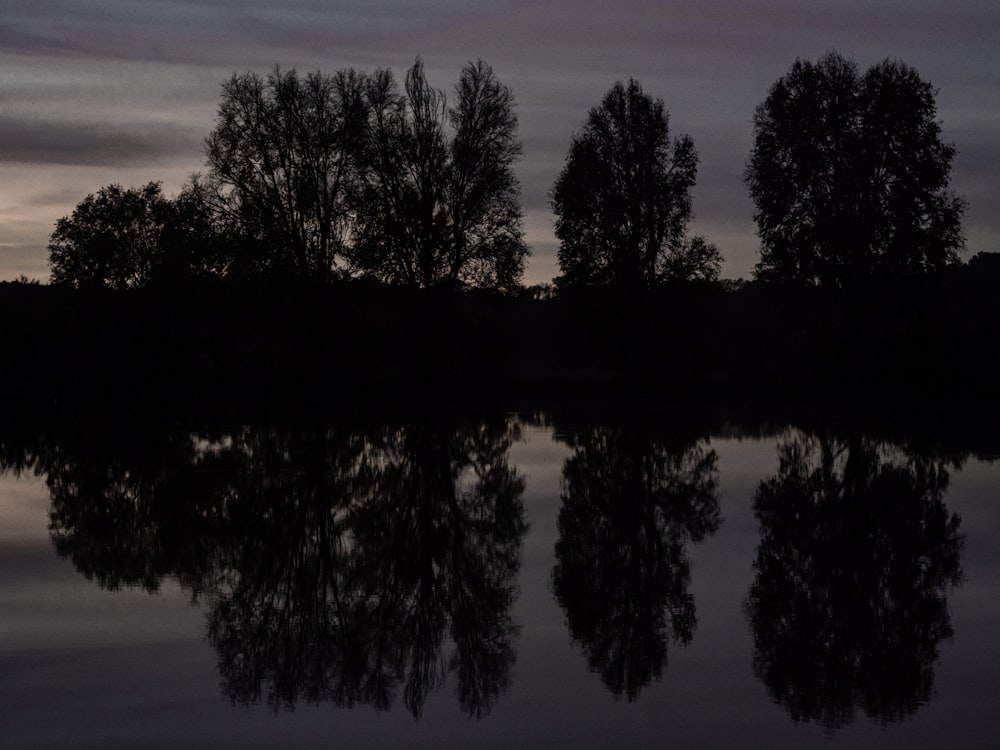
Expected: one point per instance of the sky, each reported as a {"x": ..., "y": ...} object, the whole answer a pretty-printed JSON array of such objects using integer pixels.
[{"x": 125, "y": 91}]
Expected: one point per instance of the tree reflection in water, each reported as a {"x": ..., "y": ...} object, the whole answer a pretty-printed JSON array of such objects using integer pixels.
[
  {"x": 353, "y": 564},
  {"x": 632, "y": 499},
  {"x": 126, "y": 509},
  {"x": 849, "y": 599},
  {"x": 336, "y": 563}
]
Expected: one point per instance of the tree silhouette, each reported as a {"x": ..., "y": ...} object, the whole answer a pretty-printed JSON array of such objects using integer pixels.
[
  {"x": 438, "y": 202},
  {"x": 195, "y": 241},
  {"x": 632, "y": 500},
  {"x": 320, "y": 176},
  {"x": 281, "y": 160},
  {"x": 623, "y": 199},
  {"x": 111, "y": 239},
  {"x": 848, "y": 603},
  {"x": 849, "y": 176},
  {"x": 125, "y": 238}
]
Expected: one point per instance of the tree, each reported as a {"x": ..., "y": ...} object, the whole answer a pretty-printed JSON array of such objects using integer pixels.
[
  {"x": 283, "y": 155},
  {"x": 438, "y": 202},
  {"x": 623, "y": 199},
  {"x": 695, "y": 259},
  {"x": 194, "y": 243},
  {"x": 849, "y": 176},
  {"x": 124, "y": 238},
  {"x": 109, "y": 240}
]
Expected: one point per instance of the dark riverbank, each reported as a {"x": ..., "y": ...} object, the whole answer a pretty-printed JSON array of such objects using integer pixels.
[{"x": 932, "y": 340}]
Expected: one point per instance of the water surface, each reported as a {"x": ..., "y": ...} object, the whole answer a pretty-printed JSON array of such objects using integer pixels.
[{"x": 573, "y": 580}]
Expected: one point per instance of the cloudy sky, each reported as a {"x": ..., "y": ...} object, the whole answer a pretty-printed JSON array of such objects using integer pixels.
[{"x": 94, "y": 92}]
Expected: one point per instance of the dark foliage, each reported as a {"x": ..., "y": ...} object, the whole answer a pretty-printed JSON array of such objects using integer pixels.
[
  {"x": 921, "y": 338},
  {"x": 849, "y": 176},
  {"x": 282, "y": 160},
  {"x": 623, "y": 199},
  {"x": 125, "y": 238},
  {"x": 437, "y": 202},
  {"x": 322, "y": 178}
]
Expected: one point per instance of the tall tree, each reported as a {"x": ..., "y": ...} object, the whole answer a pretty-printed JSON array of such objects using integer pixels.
[
  {"x": 282, "y": 154},
  {"x": 623, "y": 199},
  {"x": 850, "y": 175},
  {"x": 438, "y": 202}
]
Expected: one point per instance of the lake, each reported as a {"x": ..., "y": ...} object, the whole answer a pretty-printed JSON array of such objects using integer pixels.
[{"x": 577, "y": 578}]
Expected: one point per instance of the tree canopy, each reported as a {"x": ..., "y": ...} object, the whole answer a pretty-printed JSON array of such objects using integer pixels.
[
  {"x": 282, "y": 156},
  {"x": 849, "y": 176},
  {"x": 437, "y": 201},
  {"x": 350, "y": 174},
  {"x": 320, "y": 176},
  {"x": 623, "y": 198},
  {"x": 122, "y": 238}
]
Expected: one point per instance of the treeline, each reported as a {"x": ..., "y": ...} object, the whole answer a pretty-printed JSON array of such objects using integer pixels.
[
  {"x": 932, "y": 337},
  {"x": 350, "y": 176},
  {"x": 353, "y": 233},
  {"x": 323, "y": 177}
]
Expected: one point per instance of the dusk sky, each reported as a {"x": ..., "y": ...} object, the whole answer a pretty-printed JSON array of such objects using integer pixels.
[{"x": 106, "y": 91}]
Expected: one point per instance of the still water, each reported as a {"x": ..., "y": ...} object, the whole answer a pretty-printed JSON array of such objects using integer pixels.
[{"x": 535, "y": 580}]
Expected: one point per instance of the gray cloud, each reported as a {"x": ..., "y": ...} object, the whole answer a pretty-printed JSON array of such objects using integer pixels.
[{"x": 90, "y": 143}]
